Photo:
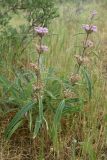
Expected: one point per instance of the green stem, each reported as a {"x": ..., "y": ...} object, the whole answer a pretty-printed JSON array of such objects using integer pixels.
[
  {"x": 39, "y": 70},
  {"x": 83, "y": 52}
]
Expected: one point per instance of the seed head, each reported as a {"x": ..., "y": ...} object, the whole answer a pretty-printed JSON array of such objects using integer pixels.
[
  {"x": 37, "y": 88},
  {"x": 81, "y": 60},
  {"x": 74, "y": 78},
  {"x": 35, "y": 67},
  {"x": 88, "y": 44},
  {"x": 69, "y": 94}
]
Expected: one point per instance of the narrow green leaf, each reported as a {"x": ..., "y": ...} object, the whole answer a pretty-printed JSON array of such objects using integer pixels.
[
  {"x": 59, "y": 110},
  {"x": 50, "y": 94},
  {"x": 71, "y": 109},
  {"x": 39, "y": 119},
  {"x": 58, "y": 115},
  {"x": 73, "y": 100},
  {"x": 56, "y": 122},
  {"x": 17, "y": 118},
  {"x": 30, "y": 120},
  {"x": 15, "y": 128},
  {"x": 88, "y": 81}
]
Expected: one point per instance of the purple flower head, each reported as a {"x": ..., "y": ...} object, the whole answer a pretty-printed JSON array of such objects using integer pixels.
[
  {"x": 86, "y": 27},
  {"x": 41, "y": 31},
  {"x": 89, "y": 28},
  {"x": 94, "y": 28}
]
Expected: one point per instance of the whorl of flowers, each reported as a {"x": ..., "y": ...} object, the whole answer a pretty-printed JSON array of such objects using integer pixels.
[
  {"x": 34, "y": 67},
  {"x": 69, "y": 94},
  {"x": 88, "y": 44},
  {"x": 74, "y": 78},
  {"x": 41, "y": 49},
  {"x": 81, "y": 60},
  {"x": 41, "y": 31},
  {"x": 89, "y": 28}
]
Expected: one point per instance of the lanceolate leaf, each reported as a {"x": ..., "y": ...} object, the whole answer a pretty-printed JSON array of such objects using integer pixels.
[
  {"x": 37, "y": 126},
  {"x": 19, "y": 115},
  {"x": 15, "y": 128},
  {"x": 73, "y": 105},
  {"x": 50, "y": 94},
  {"x": 73, "y": 100},
  {"x": 4, "y": 82},
  {"x": 71, "y": 109},
  {"x": 88, "y": 81},
  {"x": 56, "y": 122},
  {"x": 39, "y": 119},
  {"x": 58, "y": 115}
]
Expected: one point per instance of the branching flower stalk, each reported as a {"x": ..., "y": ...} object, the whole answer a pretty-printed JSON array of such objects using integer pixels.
[{"x": 83, "y": 59}]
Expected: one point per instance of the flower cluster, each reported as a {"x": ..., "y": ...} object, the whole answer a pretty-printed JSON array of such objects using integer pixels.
[
  {"x": 41, "y": 49},
  {"x": 74, "y": 78},
  {"x": 81, "y": 60},
  {"x": 34, "y": 67},
  {"x": 69, "y": 94},
  {"x": 89, "y": 28},
  {"x": 41, "y": 31},
  {"x": 88, "y": 44}
]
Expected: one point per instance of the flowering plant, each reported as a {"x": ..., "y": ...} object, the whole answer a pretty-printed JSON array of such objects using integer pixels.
[
  {"x": 82, "y": 59},
  {"x": 50, "y": 95}
]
